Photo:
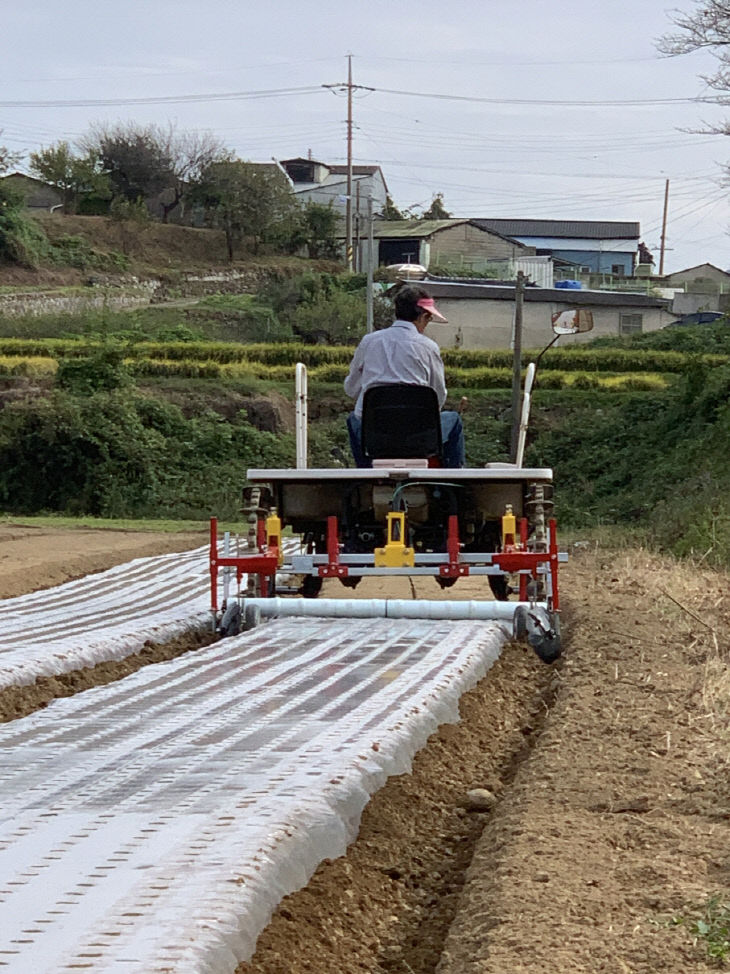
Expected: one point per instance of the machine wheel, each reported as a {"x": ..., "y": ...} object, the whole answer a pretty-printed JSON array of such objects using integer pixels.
[
  {"x": 251, "y": 617},
  {"x": 537, "y": 631},
  {"x": 311, "y": 586},
  {"x": 500, "y": 588},
  {"x": 548, "y": 646},
  {"x": 519, "y": 624},
  {"x": 230, "y": 624}
]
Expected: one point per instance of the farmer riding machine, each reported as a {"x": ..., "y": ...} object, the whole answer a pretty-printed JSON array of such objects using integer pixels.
[{"x": 403, "y": 516}]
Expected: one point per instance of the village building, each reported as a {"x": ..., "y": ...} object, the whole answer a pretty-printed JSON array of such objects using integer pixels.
[
  {"x": 588, "y": 246},
  {"x": 320, "y": 182},
  {"x": 39, "y": 195},
  {"x": 482, "y": 315}
]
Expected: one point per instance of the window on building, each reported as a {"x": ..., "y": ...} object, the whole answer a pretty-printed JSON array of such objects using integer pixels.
[
  {"x": 617, "y": 270},
  {"x": 630, "y": 324}
]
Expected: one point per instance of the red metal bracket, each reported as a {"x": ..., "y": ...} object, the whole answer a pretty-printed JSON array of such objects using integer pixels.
[
  {"x": 264, "y": 564},
  {"x": 333, "y": 568},
  {"x": 519, "y": 561},
  {"x": 454, "y": 568}
]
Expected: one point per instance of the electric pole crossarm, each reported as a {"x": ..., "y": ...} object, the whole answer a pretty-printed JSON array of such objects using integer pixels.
[{"x": 349, "y": 87}]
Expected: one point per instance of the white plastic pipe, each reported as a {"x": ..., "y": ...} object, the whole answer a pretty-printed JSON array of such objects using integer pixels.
[
  {"x": 387, "y": 608},
  {"x": 301, "y": 415}
]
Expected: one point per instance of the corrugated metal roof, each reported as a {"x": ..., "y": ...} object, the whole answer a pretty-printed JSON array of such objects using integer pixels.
[
  {"x": 412, "y": 228},
  {"x": 356, "y": 170},
  {"x": 591, "y": 229}
]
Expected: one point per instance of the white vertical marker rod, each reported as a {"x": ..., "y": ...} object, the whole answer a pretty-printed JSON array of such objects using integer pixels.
[{"x": 301, "y": 415}]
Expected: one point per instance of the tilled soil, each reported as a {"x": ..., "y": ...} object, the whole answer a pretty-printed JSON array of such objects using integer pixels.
[
  {"x": 33, "y": 558},
  {"x": 612, "y": 813},
  {"x": 604, "y": 816}
]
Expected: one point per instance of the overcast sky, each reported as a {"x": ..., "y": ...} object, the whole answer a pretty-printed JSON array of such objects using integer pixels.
[{"x": 522, "y": 127}]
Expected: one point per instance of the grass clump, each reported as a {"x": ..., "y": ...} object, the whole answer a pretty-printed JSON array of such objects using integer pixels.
[{"x": 710, "y": 925}]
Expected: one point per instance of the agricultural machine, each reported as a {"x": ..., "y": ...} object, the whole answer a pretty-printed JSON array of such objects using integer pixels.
[{"x": 403, "y": 516}]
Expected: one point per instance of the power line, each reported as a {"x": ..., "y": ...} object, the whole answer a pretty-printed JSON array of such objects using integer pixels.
[
  {"x": 164, "y": 99},
  {"x": 312, "y": 89},
  {"x": 548, "y": 102}
]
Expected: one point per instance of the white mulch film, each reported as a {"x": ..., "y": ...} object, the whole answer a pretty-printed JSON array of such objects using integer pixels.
[
  {"x": 106, "y": 616},
  {"x": 154, "y": 824}
]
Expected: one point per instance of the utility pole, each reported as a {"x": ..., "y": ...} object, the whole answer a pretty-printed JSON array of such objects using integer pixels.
[
  {"x": 357, "y": 232},
  {"x": 348, "y": 211},
  {"x": 369, "y": 291},
  {"x": 349, "y": 87},
  {"x": 662, "y": 246},
  {"x": 517, "y": 362}
]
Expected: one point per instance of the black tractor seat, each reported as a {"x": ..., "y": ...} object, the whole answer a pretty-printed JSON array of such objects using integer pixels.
[{"x": 402, "y": 421}]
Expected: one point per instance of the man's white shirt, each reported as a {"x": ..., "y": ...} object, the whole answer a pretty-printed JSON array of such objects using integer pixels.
[{"x": 399, "y": 353}]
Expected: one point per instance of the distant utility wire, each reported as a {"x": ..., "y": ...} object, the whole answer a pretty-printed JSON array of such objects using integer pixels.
[
  {"x": 568, "y": 103},
  {"x": 163, "y": 99},
  {"x": 313, "y": 89}
]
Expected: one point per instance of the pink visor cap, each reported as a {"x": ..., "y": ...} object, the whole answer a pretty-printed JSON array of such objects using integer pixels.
[{"x": 429, "y": 305}]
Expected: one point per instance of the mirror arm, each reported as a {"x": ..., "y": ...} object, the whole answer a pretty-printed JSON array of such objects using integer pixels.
[{"x": 550, "y": 345}]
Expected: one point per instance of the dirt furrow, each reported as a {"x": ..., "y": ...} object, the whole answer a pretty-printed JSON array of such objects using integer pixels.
[{"x": 387, "y": 905}]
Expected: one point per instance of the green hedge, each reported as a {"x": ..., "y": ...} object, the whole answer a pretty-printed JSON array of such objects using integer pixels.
[{"x": 458, "y": 361}]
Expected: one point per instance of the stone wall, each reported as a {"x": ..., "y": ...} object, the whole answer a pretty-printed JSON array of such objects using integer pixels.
[{"x": 129, "y": 294}]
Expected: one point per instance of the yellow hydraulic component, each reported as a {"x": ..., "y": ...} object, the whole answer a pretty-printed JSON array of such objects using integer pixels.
[
  {"x": 395, "y": 554},
  {"x": 509, "y": 529},
  {"x": 273, "y": 534}
]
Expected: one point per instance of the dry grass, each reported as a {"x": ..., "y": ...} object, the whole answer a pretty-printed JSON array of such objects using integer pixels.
[{"x": 695, "y": 598}]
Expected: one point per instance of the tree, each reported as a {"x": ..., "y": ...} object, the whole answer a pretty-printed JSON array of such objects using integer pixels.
[
  {"x": 437, "y": 210},
  {"x": 138, "y": 165},
  {"x": 190, "y": 153},
  {"x": 319, "y": 230},
  {"x": 8, "y": 159},
  {"x": 707, "y": 27},
  {"x": 72, "y": 175},
  {"x": 391, "y": 211},
  {"x": 152, "y": 161},
  {"x": 249, "y": 202}
]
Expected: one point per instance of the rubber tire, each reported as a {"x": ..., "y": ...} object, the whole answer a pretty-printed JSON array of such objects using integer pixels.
[
  {"x": 548, "y": 648},
  {"x": 230, "y": 624},
  {"x": 311, "y": 586},
  {"x": 251, "y": 617},
  {"x": 519, "y": 624}
]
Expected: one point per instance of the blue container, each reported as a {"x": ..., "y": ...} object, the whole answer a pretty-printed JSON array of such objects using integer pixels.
[{"x": 569, "y": 285}]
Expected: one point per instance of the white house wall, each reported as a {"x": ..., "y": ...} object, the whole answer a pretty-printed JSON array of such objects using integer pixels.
[
  {"x": 481, "y": 323},
  {"x": 334, "y": 191}
]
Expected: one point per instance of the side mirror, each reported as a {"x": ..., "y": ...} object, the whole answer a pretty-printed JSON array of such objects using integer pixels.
[{"x": 572, "y": 322}]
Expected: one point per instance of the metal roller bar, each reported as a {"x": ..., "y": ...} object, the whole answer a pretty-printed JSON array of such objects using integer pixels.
[{"x": 387, "y": 608}]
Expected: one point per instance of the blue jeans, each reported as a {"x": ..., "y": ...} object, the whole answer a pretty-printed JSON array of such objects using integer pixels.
[{"x": 452, "y": 435}]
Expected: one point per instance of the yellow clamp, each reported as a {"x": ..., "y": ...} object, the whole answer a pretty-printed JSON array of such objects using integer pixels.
[
  {"x": 273, "y": 534},
  {"x": 395, "y": 554},
  {"x": 509, "y": 530}
]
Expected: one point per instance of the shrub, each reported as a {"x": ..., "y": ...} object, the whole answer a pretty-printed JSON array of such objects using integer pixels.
[
  {"x": 21, "y": 239},
  {"x": 339, "y": 318},
  {"x": 119, "y": 454},
  {"x": 583, "y": 381},
  {"x": 102, "y": 369},
  {"x": 550, "y": 380},
  {"x": 75, "y": 251}
]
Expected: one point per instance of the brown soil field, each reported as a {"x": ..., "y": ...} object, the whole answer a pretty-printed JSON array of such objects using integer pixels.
[{"x": 603, "y": 823}]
